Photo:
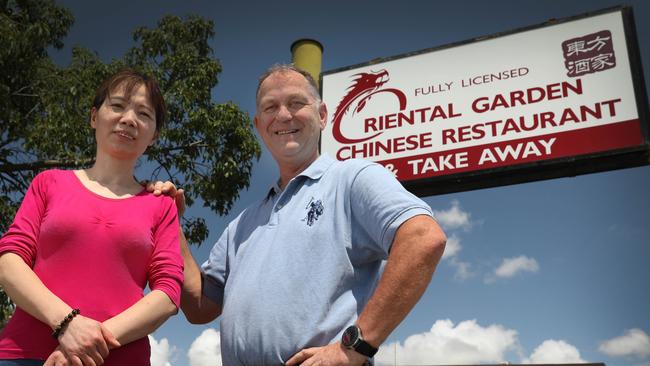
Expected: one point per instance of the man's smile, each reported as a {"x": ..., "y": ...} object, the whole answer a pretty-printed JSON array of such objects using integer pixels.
[{"x": 286, "y": 132}]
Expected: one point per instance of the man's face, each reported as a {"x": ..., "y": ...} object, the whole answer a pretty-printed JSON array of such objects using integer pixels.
[{"x": 289, "y": 118}]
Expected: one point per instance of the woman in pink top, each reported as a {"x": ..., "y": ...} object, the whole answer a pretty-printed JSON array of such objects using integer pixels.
[{"x": 84, "y": 245}]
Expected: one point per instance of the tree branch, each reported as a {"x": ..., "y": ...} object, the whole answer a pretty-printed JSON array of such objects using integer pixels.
[
  {"x": 44, "y": 164},
  {"x": 193, "y": 145},
  {"x": 163, "y": 166},
  {"x": 9, "y": 181},
  {"x": 26, "y": 95}
]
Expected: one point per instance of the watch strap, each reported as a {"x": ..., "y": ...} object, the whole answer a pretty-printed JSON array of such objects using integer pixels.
[{"x": 365, "y": 348}]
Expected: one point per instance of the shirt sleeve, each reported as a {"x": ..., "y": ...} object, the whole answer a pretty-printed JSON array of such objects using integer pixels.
[
  {"x": 22, "y": 236},
  {"x": 214, "y": 271},
  {"x": 380, "y": 205},
  {"x": 166, "y": 266}
]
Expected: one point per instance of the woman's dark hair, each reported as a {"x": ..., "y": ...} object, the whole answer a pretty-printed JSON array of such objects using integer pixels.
[{"x": 130, "y": 80}]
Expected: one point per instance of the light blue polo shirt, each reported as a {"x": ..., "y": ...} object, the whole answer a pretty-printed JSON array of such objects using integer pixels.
[{"x": 296, "y": 268}]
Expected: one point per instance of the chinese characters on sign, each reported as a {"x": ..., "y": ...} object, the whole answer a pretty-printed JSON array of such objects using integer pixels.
[{"x": 591, "y": 53}]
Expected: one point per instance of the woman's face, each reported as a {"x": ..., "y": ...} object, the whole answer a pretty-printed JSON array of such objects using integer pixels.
[{"x": 124, "y": 127}]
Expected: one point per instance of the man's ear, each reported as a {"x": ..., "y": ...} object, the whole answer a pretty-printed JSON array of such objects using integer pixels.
[
  {"x": 322, "y": 113},
  {"x": 93, "y": 117},
  {"x": 256, "y": 121}
]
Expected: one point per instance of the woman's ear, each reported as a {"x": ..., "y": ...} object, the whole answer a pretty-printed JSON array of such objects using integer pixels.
[
  {"x": 154, "y": 139},
  {"x": 93, "y": 117}
]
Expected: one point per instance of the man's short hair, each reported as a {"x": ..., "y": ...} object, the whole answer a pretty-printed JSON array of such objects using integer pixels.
[{"x": 283, "y": 69}]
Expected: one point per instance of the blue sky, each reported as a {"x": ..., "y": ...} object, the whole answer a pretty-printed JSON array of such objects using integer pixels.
[{"x": 542, "y": 272}]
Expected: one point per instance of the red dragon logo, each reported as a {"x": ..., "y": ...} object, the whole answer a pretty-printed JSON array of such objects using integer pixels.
[{"x": 364, "y": 86}]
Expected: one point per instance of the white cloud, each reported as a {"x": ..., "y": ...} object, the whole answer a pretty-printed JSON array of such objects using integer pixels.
[
  {"x": 206, "y": 349},
  {"x": 635, "y": 342},
  {"x": 511, "y": 266},
  {"x": 453, "y": 218},
  {"x": 444, "y": 344},
  {"x": 452, "y": 248},
  {"x": 161, "y": 352},
  {"x": 552, "y": 351},
  {"x": 463, "y": 269}
]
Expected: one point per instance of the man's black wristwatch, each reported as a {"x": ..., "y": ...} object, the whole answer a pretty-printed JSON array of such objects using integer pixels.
[{"x": 352, "y": 339}]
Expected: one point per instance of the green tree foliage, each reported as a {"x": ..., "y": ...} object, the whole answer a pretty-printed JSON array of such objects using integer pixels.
[{"x": 207, "y": 148}]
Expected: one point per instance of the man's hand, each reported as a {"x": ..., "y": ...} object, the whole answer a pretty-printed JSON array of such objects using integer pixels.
[
  {"x": 169, "y": 189},
  {"x": 86, "y": 341},
  {"x": 330, "y": 355}
]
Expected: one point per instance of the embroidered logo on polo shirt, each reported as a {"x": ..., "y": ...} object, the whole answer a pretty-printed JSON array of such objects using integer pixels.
[{"x": 315, "y": 209}]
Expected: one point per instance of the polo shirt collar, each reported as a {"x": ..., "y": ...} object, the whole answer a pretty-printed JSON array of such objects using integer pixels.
[
  {"x": 274, "y": 190},
  {"x": 314, "y": 171},
  {"x": 318, "y": 167}
]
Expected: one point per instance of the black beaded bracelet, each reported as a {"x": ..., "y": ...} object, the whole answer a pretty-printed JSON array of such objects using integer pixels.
[{"x": 59, "y": 328}]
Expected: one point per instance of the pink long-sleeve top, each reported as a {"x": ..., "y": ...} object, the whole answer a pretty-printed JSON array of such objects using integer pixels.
[{"x": 95, "y": 253}]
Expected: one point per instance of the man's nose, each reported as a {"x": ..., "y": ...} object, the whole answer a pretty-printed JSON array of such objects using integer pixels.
[{"x": 284, "y": 114}]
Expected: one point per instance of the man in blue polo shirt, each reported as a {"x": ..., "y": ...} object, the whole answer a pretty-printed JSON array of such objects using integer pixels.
[{"x": 327, "y": 263}]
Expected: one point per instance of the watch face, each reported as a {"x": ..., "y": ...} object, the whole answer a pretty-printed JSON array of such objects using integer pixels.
[{"x": 350, "y": 336}]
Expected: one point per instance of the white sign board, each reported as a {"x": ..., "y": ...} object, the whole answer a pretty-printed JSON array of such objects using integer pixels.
[{"x": 552, "y": 92}]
